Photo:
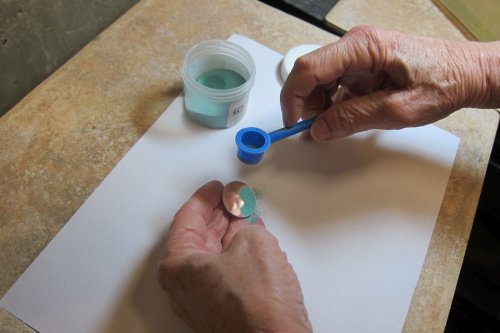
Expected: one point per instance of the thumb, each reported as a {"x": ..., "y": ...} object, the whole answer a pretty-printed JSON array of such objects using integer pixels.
[{"x": 355, "y": 115}]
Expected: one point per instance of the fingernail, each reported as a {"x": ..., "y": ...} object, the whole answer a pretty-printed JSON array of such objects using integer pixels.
[
  {"x": 306, "y": 136},
  {"x": 320, "y": 130},
  {"x": 286, "y": 123}
]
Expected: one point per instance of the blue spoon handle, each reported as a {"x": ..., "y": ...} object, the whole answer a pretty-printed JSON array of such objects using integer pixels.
[{"x": 285, "y": 132}]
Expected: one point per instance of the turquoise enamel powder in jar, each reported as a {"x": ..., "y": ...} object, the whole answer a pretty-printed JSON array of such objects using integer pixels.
[{"x": 218, "y": 76}]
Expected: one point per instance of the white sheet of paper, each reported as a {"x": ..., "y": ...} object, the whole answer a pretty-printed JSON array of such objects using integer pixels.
[{"x": 355, "y": 217}]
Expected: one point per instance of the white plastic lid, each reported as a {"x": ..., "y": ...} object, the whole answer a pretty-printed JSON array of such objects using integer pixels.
[{"x": 292, "y": 55}]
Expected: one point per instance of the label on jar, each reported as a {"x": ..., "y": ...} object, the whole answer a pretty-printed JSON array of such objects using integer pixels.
[{"x": 236, "y": 111}]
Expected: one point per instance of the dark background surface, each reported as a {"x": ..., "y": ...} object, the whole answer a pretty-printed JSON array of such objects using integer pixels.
[{"x": 38, "y": 36}]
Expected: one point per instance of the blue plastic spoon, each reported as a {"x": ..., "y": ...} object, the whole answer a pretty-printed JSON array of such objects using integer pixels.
[{"x": 253, "y": 142}]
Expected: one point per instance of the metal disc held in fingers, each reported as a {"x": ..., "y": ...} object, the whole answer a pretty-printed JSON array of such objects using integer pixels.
[{"x": 239, "y": 199}]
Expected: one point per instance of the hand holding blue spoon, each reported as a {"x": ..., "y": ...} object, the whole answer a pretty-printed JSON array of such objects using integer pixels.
[{"x": 253, "y": 142}]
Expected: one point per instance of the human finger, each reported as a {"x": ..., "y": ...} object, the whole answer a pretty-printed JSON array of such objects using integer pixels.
[
  {"x": 351, "y": 116},
  {"x": 357, "y": 51},
  {"x": 190, "y": 228},
  {"x": 237, "y": 225},
  {"x": 383, "y": 109}
]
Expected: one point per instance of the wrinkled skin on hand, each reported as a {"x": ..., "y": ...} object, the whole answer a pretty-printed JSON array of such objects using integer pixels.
[
  {"x": 375, "y": 78},
  {"x": 224, "y": 275}
]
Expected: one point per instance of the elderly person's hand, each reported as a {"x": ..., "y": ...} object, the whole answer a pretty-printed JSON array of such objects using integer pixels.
[
  {"x": 375, "y": 78},
  {"x": 223, "y": 274}
]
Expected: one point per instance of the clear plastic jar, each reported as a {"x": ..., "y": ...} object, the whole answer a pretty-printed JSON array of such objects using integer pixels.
[{"x": 217, "y": 106}]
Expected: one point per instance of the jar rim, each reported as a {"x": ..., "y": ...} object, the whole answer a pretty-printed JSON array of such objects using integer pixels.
[{"x": 224, "y": 48}]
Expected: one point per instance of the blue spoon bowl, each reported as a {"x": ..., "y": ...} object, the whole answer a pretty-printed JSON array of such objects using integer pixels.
[{"x": 253, "y": 142}]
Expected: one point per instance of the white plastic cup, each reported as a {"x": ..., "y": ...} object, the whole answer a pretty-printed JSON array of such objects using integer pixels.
[{"x": 216, "y": 108}]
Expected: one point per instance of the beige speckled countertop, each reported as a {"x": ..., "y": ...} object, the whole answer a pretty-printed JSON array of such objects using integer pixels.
[
  {"x": 61, "y": 140},
  {"x": 418, "y": 17}
]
